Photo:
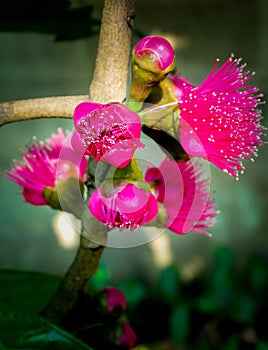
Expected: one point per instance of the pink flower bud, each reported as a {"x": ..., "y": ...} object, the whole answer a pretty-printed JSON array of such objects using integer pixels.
[
  {"x": 155, "y": 53},
  {"x": 128, "y": 336},
  {"x": 108, "y": 132},
  {"x": 111, "y": 301},
  {"x": 153, "y": 59},
  {"x": 126, "y": 207}
]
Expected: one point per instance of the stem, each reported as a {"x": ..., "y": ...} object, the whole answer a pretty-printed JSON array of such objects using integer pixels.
[
  {"x": 109, "y": 84},
  {"x": 47, "y": 107},
  {"x": 83, "y": 268},
  {"x": 111, "y": 69}
]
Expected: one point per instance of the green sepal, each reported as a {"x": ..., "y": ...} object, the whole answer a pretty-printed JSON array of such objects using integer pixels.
[
  {"x": 145, "y": 76},
  {"x": 67, "y": 195}
]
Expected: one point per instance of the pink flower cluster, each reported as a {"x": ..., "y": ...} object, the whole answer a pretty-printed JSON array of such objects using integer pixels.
[{"x": 219, "y": 121}]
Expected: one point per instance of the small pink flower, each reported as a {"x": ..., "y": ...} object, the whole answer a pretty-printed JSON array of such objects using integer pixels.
[
  {"x": 127, "y": 207},
  {"x": 155, "y": 52},
  {"x": 184, "y": 195},
  {"x": 111, "y": 301},
  {"x": 107, "y": 132},
  {"x": 44, "y": 164},
  {"x": 219, "y": 119}
]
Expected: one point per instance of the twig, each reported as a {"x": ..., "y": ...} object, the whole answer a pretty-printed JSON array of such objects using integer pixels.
[{"x": 47, "y": 107}]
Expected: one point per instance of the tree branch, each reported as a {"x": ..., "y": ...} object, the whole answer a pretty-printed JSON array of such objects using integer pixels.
[
  {"x": 111, "y": 70},
  {"x": 47, "y": 107},
  {"x": 109, "y": 84},
  {"x": 83, "y": 268}
]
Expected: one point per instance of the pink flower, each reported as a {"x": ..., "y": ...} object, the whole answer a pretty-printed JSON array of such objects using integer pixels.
[
  {"x": 219, "y": 119},
  {"x": 108, "y": 132},
  {"x": 154, "y": 53},
  {"x": 126, "y": 207},
  {"x": 44, "y": 164},
  {"x": 184, "y": 195}
]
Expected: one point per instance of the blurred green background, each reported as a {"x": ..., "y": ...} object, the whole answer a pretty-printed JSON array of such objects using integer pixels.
[{"x": 35, "y": 65}]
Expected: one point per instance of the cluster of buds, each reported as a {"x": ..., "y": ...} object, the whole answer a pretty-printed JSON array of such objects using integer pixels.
[
  {"x": 218, "y": 121},
  {"x": 100, "y": 319}
]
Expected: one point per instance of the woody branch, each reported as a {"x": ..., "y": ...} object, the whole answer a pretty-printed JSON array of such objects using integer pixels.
[{"x": 112, "y": 66}]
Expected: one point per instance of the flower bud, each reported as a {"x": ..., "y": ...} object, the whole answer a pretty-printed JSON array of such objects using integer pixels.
[
  {"x": 153, "y": 59},
  {"x": 111, "y": 301},
  {"x": 128, "y": 337},
  {"x": 121, "y": 334},
  {"x": 155, "y": 54}
]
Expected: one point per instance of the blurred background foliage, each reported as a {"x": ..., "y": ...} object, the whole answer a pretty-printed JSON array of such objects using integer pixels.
[{"x": 191, "y": 291}]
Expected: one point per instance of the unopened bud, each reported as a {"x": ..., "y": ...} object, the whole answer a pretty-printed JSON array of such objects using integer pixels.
[
  {"x": 111, "y": 302},
  {"x": 128, "y": 336},
  {"x": 153, "y": 59},
  {"x": 122, "y": 335}
]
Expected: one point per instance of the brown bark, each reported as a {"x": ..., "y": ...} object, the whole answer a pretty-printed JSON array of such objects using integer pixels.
[
  {"x": 111, "y": 69},
  {"x": 83, "y": 268},
  {"x": 47, "y": 107}
]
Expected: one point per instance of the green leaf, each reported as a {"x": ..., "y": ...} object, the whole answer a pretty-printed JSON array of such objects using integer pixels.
[
  {"x": 224, "y": 259},
  {"x": 262, "y": 345},
  {"x": 26, "y": 331},
  {"x": 244, "y": 309},
  {"x": 180, "y": 324},
  {"x": 26, "y": 291},
  {"x": 134, "y": 292},
  {"x": 232, "y": 343},
  {"x": 100, "y": 279},
  {"x": 256, "y": 273},
  {"x": 169, "y": 284},
  {"x": 2, "y": 347}
]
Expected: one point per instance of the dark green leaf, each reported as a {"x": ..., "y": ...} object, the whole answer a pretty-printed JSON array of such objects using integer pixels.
[
  {"x": 134, "y": 292},
  {"x": 232, "y": 343},
  {"x": 25, "y": 291},
  {"x": 168, "y": 286},
  {"x": 224, "y": 259},
  {"x": 100, "y": 279},
  {"x": 262, "y": 345},
  {"x": 180, "y": 324},
  {"x": 25, "y": 331},
  {"x": 244, "y": 308},
  {"x": 256, "y": 274}
]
